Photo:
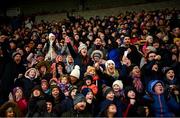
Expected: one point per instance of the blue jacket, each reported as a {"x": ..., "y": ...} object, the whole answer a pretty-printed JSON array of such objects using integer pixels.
[{"x": 160, "y": 106}]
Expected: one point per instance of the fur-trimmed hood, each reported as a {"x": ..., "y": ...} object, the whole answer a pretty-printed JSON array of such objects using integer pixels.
[{"x": 27, "y": 73}]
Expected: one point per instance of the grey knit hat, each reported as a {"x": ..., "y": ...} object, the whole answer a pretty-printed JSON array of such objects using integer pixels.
[{"x": 78, "y": 98}]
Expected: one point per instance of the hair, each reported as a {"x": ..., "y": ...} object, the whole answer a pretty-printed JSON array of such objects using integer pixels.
[
  {"x": 63, "y": 70},
  {"x": 7, "y": 105},
  {"x": 66, "y": 76}
]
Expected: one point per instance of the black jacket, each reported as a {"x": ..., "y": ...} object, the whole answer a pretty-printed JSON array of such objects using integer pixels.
[{"x": 75, "y": 113}]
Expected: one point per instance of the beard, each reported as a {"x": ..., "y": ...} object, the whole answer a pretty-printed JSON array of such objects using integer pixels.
[{"x": 98, "y": 46}]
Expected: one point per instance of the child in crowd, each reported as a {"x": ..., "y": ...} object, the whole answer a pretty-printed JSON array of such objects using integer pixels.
[
  {"x": 64, "y": 84},
  {"x": 88, "y": 84}
]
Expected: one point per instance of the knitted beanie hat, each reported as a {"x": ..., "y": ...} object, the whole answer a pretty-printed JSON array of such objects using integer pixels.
[
  {"x": 16, "y": 88},
  {"x": 85, "y": 91},
  {"x": 108, "y": 62},
  {"x": 78, "y": 98},
  {"x": 119, "y": 83},
  {"x": 82, "y": 46},
  {"x": 75, "y": 72},
  {"x": 97, "y": 53},
  {"x": 15, "y": 53}
]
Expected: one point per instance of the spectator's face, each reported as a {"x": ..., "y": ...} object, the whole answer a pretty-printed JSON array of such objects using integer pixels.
[
  {"x": 112, "y": 19},
  {"x": 116, "y": 88},
  {"x": 118, "y": 41},
  {"x": 19, "y": 93},
  {"x": 32, "y": 73},
  {"x": 70, "y": 59},
  {"x": 156, "y": 45},
  {"x": 39, "y": 46},
  {"x": 40, "y": 58},
  {"x": 88, "y": 82},
  {"x": 43, "y": 69},
  {"x": 49, "y": 107},
  {"x": 12, "y": 45},
  {"x": 151, "y": 56},
  {"x": 44, "y": 86},
  {"x": 59, "y": 68},
  {"x": 159, "y": 89},
  {"x": 112, "y": 109},
  {"x": 110, "y": 67},
  {"x": 27, "y": 49},
  {"x": 176, "y": 31},
  {"x": 52, "y": 38},
  {"x": 73, "y": 93},
  {"x": 98, "y": 41},
  {"x": 96, "y": 59},
  {"x": 59, "y": 58},
  {"x": 136, "y": 71},
  {"x": 102, "y": 36},
  {"x": 55, "y": 92},
  {"x": 10, "y": 113},
  {"x": 170, "y": 75},
  {"x": 76, "y": 37},
  {"x": 20, "y": 51},
  {"x": 64, "y": 80},
  {"x": 89, "y": 96},
  {"x": 126, "y": 40},
  {"x": 84, "y": 52},
  {"x": 80, "y": 106},
  {"x": 94, "y": 29},
  {"x": 43, "y": 40},
  {"x": 73, "y": 79},
  {"x": 177, "y": 43},
  {"x": 17, "y": 58},
  {"x": 149, "y": 39},
  {"x": 110, "y": 96},
  {"x": 131, "y": 94},
  {"x": 36, "y": 93}
]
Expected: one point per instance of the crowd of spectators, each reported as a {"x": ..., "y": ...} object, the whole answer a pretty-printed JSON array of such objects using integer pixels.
[{"x": 115, "y": 66}]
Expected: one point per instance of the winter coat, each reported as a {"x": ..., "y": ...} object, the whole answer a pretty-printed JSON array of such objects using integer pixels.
[
  {"x": 37, "y": 107},
  {"x": 58, "y": 104},
  {"x": 106, "y": 78},
  {"x": 27, "y": 84},
  {"x": 11, "y": 71},
  {"x": 160, "y": 105},
  {"x": 74, "y": 113},
  {"x": 148, "y": 74},
  {"x": 130, "y": 110},
  {"x": 93, "y": 87},
  {"x": 23, "y": 105},
  {"x": 118, "y": 104},
  {"x": 79, "y": 60},
  {"x": 66, "y": 104}
]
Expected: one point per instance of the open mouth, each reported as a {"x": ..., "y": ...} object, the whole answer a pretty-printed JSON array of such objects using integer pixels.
[
  {"x": 82, "y": 106},
  {"x": 171, "y": 77},
  {"x": 90, "y": 98},
  {"x": 137, "y": 72},
  {"x": 161, "y": 89}
]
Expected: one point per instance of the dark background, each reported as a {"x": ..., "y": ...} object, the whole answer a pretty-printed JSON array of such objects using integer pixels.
[{"x": 59, "y": 6}]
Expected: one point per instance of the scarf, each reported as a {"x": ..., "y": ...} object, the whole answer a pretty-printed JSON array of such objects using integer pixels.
[
  {"x": 138, "y": 84},
  {"x": 115, "y": 75}
]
